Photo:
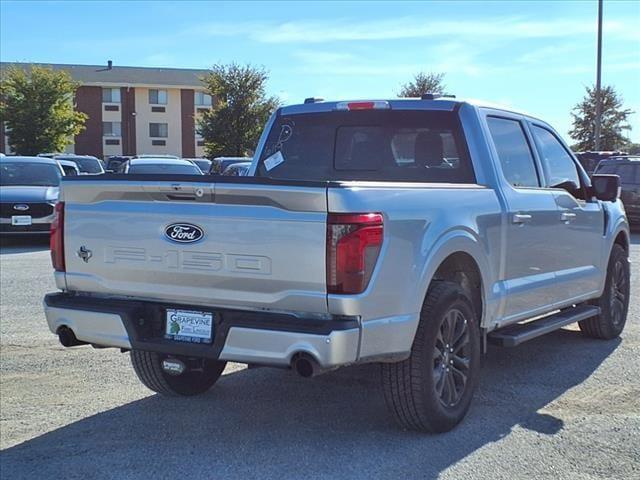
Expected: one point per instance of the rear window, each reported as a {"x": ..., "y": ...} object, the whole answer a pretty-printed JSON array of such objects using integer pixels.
[
  {"x": 628, "y": 172},
  {"x": 373, "y": 145},
  {"x": 159, "y": 168}
]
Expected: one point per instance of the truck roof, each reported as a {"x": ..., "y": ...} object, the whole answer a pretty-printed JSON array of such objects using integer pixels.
[{"x": 441, "y": 103}]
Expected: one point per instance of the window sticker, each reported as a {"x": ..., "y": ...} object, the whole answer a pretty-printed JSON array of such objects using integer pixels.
[{"x": 273, "y": 161}]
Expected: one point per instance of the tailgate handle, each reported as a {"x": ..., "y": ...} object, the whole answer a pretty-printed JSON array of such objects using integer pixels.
[{"x": 178, "y": 196}]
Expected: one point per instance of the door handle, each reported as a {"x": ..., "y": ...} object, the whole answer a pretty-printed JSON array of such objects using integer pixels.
[
  {"x": 521, "y": 218},
  {"x": 567, "y": 217}
]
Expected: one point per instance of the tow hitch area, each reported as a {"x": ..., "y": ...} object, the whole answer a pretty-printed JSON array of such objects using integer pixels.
[{"x": 173, "y": 366}]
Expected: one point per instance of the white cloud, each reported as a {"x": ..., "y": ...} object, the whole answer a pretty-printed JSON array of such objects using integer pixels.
[{"x": 316, "y": 31}]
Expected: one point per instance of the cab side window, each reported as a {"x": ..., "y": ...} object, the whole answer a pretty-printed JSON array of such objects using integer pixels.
[
  {"x": 514, "y": 152},
  {"x": 558, "y": 165}
]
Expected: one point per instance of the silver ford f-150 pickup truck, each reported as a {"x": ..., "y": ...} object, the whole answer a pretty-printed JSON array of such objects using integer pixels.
[{"x": 406, "y": 232}]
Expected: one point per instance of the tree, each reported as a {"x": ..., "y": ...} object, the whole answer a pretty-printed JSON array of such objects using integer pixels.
[
  {"x": 37, "y": 106},
  {"x": 240, "y": 109},
  {"x": 423, "y": 83},
  {"x": 614, "y": 121},
  {"x": 634, "y": 149}
]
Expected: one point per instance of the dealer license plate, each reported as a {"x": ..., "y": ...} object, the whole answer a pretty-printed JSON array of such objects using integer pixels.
[
  {"x": 21, "y": 220},
  {"x": 189, "y": 326}
]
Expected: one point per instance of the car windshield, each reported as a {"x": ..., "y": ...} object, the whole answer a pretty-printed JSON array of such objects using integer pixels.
[
  {"x": 166, "y": 168},
  {"x": 375, "y": 145},
  {"x": 88, "y": 165},
  {"x": 203, "y": 164},
  {"x": 29, "y": 174}
]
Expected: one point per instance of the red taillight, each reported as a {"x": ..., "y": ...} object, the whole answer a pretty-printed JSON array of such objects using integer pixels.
[
  {"x": 56, "y": 240},
  {"x": 353, "y": 246}
]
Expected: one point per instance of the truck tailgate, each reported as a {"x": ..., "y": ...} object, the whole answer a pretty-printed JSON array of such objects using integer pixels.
[{"x": 262, "y": 246}]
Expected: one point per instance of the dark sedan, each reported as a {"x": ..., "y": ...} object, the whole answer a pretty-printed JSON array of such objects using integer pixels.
[{"x": 29, "y": 189}]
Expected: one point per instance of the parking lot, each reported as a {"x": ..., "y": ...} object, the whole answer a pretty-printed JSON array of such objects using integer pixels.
[{"x": 561, "y": 406}]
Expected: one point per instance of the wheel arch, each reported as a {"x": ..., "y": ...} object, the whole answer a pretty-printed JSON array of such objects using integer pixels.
[
  {"x": 460, "y": 257},
  {"x": 622, "y": 239}
]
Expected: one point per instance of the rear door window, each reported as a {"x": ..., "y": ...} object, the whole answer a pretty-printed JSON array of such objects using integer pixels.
[
  {"x": 407, "y": 146},
  {"x": 514, "y": 152}
]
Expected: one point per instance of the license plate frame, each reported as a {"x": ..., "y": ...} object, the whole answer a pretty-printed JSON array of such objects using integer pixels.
[
  {"x": 189, "y": 326},
  {"x": 21, "y": 220}
]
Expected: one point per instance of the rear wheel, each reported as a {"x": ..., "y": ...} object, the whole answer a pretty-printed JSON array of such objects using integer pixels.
[
  {"x": 199, "y": 376},
  {"x": 614, "y": 302},
  {"x": 432, "y": 390}
]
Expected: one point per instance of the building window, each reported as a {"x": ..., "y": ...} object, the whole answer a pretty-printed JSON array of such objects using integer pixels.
[
  {"x": 158, "y": 109},
  {"x": 159, "y": 130},
  {"x": 112, "y": 141},
  {"x": 112, "y": 108},
  {"x": 202, "y": 99},
  {"x": 157, "y": 97},
  {"x": 110, "y": 95},
  {"x": 111, "y": 129},
  {"x": 158, "y": 143}
]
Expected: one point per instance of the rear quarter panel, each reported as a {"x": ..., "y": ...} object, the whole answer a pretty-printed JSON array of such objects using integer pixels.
[{"x": 423, "y": 225}]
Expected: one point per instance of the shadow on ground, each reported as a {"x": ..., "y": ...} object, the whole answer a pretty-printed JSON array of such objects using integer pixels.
[
  {"x": 269, "y": 423},
  {"x": 23, "y": 243}
]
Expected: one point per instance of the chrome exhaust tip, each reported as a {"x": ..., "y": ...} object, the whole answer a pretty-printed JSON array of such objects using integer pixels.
[
  {"x": 67, "y": 338},
  {"x": 305, "y": 365}
]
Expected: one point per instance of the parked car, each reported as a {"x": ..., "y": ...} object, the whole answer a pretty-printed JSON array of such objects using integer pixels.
[
  {"x": 203, "y": 164},
  {"x": 49, "y": 155},
  {"x": 590, "y": 160},
  {"x": 219, "y": 164},
  {"x": 628, "y": 169},
  {"x": 114, "y": 162},
  {"x": 29, "y": 188},
  {"x": 70, "y": 168},
  {"x": 87, "y": 164},
  {"x": 237, "y": 169},
  {"x": 162, "y": 165},
  {"x": 405, "y": 232}
]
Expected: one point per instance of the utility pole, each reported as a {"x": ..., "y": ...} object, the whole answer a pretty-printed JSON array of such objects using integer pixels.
[{"x": 598, "y": 84}]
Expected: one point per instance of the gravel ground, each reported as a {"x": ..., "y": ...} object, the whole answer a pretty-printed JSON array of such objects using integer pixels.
[{"x": 562, "y": 406}]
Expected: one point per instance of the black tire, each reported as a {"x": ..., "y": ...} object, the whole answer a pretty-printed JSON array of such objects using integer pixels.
[
  {"x": 415, "y": 389},
  {"x": 614, "y": 302},
  {"x": 199, "y": 378}
]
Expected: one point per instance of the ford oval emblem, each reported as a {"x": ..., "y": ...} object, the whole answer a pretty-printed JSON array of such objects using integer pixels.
[
  {"x": 21, "y": 207},
  {"x": 183, "y": 232}
]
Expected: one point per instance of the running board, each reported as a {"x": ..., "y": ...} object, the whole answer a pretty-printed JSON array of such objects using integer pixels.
[{"x": 513, "y": 335}]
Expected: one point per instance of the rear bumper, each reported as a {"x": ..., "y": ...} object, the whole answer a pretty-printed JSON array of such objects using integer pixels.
[{"x": 241, "y": 336}]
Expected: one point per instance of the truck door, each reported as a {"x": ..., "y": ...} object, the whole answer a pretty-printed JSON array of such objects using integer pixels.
[
  {"x": 579, "y": 271},
  {"x": 531, "y": 250}
]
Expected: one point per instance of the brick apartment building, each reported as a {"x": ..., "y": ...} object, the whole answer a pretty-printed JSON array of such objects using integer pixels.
[{"x": 134, "y": 110}]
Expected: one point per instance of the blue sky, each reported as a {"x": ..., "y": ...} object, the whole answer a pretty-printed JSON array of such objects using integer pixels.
[{"x": 534, "y": 56}]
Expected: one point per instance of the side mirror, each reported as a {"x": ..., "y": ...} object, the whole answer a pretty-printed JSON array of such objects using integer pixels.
[{"x": 605, "y": 187}]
